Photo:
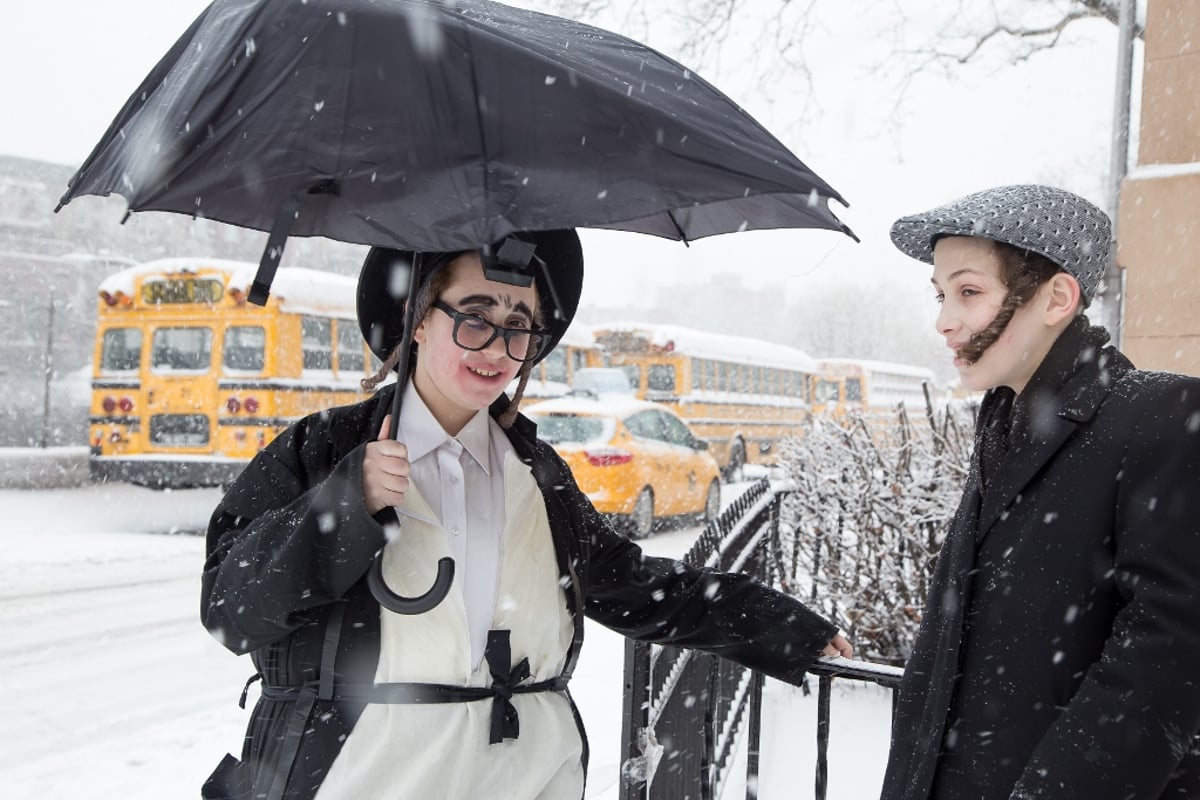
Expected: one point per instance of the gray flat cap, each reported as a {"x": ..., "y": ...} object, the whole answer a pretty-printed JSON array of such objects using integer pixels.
[{"x": 1052, "y": 222}]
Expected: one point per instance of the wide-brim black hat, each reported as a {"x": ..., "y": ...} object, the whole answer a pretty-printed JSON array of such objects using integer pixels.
[
  {"x": 556, "y": 266},
  {"x": 1061, "y": 226}
]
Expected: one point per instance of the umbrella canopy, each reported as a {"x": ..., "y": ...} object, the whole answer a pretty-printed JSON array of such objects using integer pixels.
[{"x": 440, "y": 126}]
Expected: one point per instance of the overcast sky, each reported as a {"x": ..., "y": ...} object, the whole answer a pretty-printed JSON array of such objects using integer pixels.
[{"x": 68, "y": 66}]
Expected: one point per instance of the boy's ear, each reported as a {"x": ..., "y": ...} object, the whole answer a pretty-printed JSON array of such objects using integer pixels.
[
  {"x": 419, "y": 334},
  {"x": 1063, "y": 297}
]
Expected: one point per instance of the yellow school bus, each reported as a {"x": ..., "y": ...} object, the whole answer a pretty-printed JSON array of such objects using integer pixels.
[
  {"x": 857, "y": 384},
  {"x": 554, "y": 375},
  {"x": 190, "y": 381},
  {"x": 742, "y": 396}
]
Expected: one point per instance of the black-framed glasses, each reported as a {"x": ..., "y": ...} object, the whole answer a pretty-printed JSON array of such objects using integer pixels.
[{"x": 473, "y": 332}]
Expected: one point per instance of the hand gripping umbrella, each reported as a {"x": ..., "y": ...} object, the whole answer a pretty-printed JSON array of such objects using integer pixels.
[{"x": 438, "y": 126}]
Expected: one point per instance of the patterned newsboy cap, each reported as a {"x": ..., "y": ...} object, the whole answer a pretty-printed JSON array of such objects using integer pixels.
[{"x": 1052, "y": 222}]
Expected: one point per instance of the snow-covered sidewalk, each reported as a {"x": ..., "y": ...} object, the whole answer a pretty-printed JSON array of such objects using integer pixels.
[{"x": 115, "y": 690}]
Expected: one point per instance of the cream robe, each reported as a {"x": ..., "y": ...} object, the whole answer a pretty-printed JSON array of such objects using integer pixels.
[{"x": 435, "y": 751}]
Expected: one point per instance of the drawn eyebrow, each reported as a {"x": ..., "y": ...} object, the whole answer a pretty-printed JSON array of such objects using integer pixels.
[{"x": 489, "y": 301}]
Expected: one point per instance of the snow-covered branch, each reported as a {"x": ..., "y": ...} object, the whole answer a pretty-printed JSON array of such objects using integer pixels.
[{"x": 874, "y": 500}]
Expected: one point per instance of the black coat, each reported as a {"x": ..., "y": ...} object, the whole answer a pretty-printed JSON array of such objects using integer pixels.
[
  {"x": 1059, "y": 654},
  {"x": 291, "y": 541}
]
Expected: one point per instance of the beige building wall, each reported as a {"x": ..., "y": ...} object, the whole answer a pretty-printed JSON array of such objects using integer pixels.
[{"x": 1158, "y": 226}]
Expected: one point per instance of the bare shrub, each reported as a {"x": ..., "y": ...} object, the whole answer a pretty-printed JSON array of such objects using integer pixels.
[{"x": 873, "y": 501}]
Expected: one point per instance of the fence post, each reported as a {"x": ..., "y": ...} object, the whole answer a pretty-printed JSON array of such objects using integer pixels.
[
  {"x": 634, "y": 784},
  {"x": 824, "y": 684},
  {"x": 755, "y": 743}
]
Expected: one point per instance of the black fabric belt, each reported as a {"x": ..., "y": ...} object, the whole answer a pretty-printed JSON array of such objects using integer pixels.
[{"x": 506, "y": 682}]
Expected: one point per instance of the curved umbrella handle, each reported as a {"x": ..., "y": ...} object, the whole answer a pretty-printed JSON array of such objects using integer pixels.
[{"x": 410, "y": 605}]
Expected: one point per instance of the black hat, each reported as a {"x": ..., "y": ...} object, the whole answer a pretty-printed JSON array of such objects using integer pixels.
[
  {"x": 553, "y": 258},
  {"x": 1051, "y": 222}
]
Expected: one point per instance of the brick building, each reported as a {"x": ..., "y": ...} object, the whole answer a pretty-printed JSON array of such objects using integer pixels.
[{"x": 1158, "y": 225}]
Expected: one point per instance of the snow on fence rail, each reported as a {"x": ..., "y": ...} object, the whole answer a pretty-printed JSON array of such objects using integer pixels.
[{"x": 685, "y": 711}]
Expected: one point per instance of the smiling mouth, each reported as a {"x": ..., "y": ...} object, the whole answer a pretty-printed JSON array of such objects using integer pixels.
[{"x": 484, "y": 373}]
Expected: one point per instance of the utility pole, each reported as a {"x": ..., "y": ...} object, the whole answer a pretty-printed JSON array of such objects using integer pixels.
[
  {"x": 1112, "y": 290},
  {"x": 48, "y": 366}
]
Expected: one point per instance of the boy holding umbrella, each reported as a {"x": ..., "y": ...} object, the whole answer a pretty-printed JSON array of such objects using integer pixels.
[{"x": 469, "y": 699}]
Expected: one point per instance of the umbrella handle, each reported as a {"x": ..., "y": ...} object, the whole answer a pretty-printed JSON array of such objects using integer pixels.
[
  {"x": 410, "y": 605},
  {"x": 445, "y": 573}
]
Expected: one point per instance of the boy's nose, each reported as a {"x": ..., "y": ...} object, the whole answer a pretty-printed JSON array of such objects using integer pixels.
[
  {"x": 497, "y": 348},
  {"x": 944, "y": 322}
]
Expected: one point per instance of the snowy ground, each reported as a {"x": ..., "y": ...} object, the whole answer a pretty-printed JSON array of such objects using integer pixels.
[{"x": 113, "y": 689}]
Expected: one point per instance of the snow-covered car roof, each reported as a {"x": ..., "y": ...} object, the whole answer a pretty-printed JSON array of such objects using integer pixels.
[{"x": 613, "y": 406}]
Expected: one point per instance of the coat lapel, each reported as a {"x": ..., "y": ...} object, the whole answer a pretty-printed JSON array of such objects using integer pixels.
[
  {"x": 1073, "y": 405},
  {"x": 1019, "y": 467}
]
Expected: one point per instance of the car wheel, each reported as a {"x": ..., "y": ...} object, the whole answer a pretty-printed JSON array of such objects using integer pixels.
[
  {"x": 734, "y": 472},
  {"x": 712, "y": 503},
  {"x": 641, "y": 521}
]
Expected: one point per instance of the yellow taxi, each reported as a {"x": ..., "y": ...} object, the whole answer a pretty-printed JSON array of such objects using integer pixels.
[{"x": 636, "y": 460}]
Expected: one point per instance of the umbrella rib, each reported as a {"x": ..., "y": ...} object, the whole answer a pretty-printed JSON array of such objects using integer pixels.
[
  {"x": 483, "y": 144},
  {"x": 682, "y": 236}
]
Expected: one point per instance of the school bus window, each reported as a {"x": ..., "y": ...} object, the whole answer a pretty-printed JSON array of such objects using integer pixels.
[
  {"x": 350, "y": 350},
  {"x": 184, "y": 430},
  {"x": 827, "y": 391},
  {"x": 316, "y": 342},
  {"x": 854, "y": 390},
  {"x": 556, "y": 365},
  {"x": 579, "y": 359},
  {"x": 121, "y": 350},
  {"x": 244, "y": 348},
  {"x": 660, "y": 378},
  {"x": 634, "y": 373},
  {"x": 181, "y": 350}
]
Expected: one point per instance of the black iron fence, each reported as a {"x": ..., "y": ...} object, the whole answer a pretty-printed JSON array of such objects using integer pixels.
[{"x": 685, "y": 711}]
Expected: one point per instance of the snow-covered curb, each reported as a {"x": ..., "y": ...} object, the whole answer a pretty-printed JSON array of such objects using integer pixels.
[{"x": 43, "y": 468}]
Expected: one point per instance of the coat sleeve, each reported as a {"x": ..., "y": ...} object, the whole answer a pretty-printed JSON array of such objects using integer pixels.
[
  {"x": 668, "y": 602},
  {"x": 291, "y": 534},
  {"x": 1133, "y": 718}
]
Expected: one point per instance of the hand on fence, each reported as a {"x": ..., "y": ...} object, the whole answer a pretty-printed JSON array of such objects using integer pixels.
[{"x": 838, "y": 646}]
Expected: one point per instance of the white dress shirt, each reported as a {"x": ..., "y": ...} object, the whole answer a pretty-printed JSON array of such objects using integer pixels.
[{"x": 461, "y": 478}]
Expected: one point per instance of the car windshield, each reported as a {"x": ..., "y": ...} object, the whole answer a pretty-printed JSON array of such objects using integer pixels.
[{"x": 556, "y": 428}]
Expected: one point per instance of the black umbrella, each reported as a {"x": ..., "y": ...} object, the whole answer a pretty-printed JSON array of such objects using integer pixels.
[
  {"x": 434, "y": 126},
  {"x": 440, "y": 126}
]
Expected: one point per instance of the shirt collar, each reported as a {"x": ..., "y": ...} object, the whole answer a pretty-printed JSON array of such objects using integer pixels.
[{"x": 422, "y": 433}]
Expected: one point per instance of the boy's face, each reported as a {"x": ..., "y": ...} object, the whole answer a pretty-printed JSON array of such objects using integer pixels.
[
  {"x": 967, "y": 279},
  {"x": 456, "y": 383}
]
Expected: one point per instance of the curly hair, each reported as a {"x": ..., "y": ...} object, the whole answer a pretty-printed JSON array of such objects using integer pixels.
[{"x": 1023, "y": 273}]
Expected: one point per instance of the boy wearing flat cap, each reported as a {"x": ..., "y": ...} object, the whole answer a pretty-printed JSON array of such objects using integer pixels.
[
  {"x": 1059, "y": 651},
  {"x": 466, "y": 699}
]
